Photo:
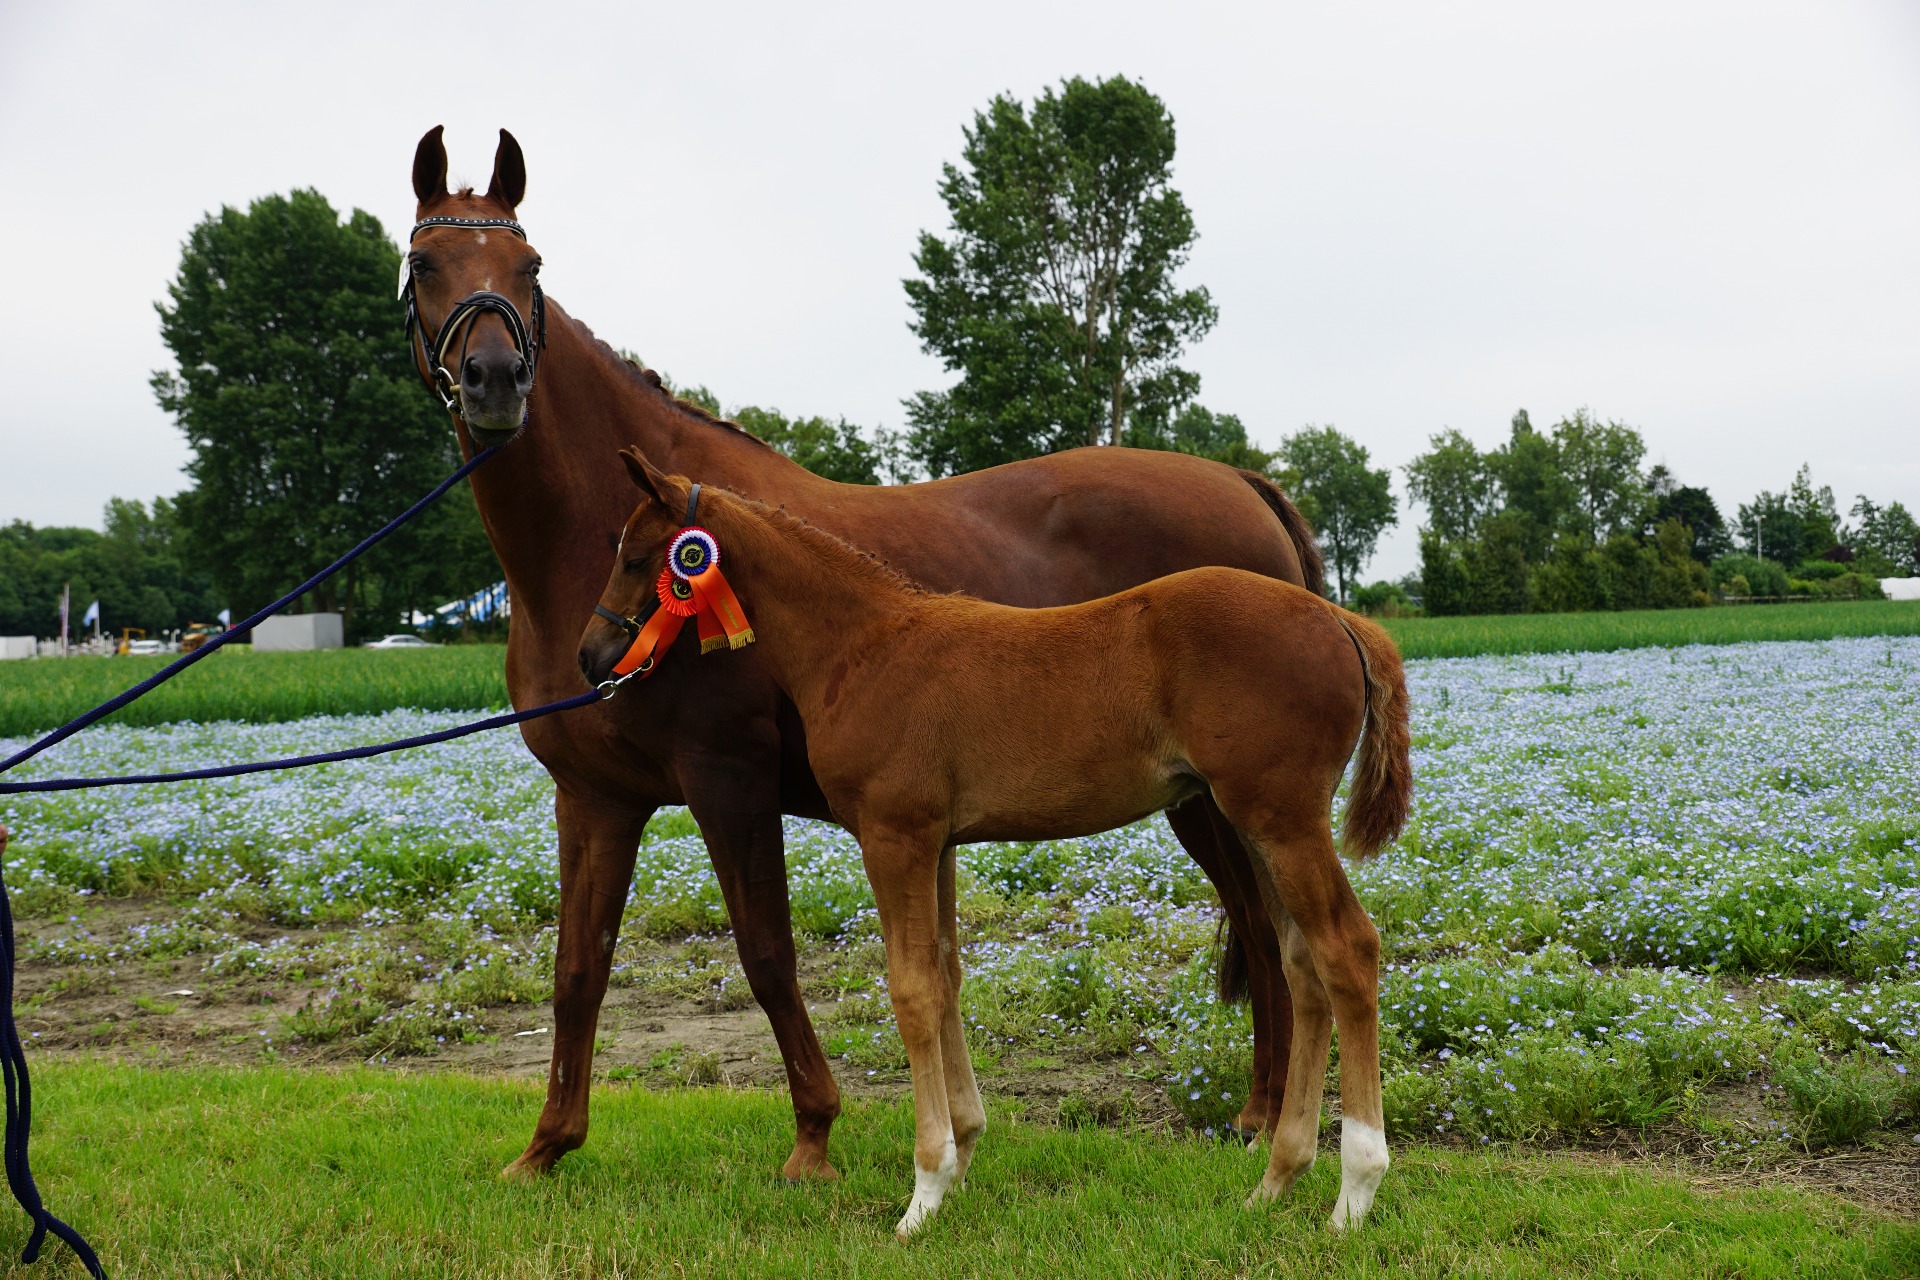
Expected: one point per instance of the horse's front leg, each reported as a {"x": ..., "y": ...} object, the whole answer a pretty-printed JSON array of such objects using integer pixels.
[
  {"x": 736, "y": 801},
  {"x": 597, "y": 846}
]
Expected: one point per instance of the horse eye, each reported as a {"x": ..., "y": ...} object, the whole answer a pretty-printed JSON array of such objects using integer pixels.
[
  {"x": 418, "y": 265},
  {"x": 635, "y": 566},
  {"x": 533, "y": 268}
]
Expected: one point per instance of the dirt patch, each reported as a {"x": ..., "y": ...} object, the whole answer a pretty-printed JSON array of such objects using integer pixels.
[{"x": 172, "y": 1011}]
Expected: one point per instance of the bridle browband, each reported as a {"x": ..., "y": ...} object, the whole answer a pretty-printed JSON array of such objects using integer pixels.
[{"x": 460, "y": 319}]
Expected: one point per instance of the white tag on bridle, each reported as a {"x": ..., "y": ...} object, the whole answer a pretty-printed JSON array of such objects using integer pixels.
[{"x": 406, "y": 269}]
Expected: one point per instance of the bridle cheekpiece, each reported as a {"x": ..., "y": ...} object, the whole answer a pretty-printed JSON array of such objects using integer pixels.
[{"x": 470, "y": 308}]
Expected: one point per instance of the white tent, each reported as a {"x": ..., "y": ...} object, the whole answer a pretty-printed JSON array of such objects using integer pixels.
[{"x": 1901, "y": 588}]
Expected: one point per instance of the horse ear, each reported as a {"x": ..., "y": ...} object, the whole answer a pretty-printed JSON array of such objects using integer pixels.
[
  {"x": 646, "y": 478},
  {"x": 430, "y": 167},
  {"x": 509, "y": 173}
]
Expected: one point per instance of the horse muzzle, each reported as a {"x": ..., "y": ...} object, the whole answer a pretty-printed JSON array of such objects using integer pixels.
[{"x": 493, "y": 390}]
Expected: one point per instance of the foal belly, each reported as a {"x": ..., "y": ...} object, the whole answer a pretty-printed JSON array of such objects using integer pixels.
[{"x": 1061, "y": 804}]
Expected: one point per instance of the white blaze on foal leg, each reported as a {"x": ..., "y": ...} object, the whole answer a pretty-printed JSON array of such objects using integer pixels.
[
  {"x": 1363, "y": 1162},
  {"x": 929, "y": 1189}
]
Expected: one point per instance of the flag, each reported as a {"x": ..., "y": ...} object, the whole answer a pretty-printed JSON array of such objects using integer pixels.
[
  {"x": 226, "y": 617},
  {"x": 91, "y": 618}
]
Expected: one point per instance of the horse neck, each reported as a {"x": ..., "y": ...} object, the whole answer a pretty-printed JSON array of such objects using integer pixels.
[
  {"x": 817, "y": 600},
  {"x": 552, "y": 497}
]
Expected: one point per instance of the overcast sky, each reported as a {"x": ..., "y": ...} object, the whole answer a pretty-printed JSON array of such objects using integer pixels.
[{"x": 1698, "y": 218}]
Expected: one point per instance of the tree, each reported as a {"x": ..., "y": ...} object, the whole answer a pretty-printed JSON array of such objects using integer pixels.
[
  {"x": 1532, "y": 486},
  {"x": 1771, "y": 529},
  {"x": 1203, "y": 433},
  {"x": 1818, "y": 516},
  {"x": 1457, "y": 484},
  {"x": 133, "y": 569},
  {"x": 1346, "y": 501},
  {"x": 1601, "y": 462},
  {"x": 1890, "y": 535},
  {"x": 297, "y": 392},
  {"x": 1054, "y": 297},
  {"x": 1693, "y": 507},
  {"x": 834, "y": 449}
]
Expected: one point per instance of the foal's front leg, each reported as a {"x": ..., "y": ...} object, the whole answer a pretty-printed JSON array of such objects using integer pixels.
[{"x": 904, "y": 870}]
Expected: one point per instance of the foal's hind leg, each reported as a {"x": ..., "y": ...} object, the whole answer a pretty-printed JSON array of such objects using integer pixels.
[
  {"x": 1296, "y": 1135},
  {"x": 1310, "y": 886},
  {"x": 963, "y": 1094}
]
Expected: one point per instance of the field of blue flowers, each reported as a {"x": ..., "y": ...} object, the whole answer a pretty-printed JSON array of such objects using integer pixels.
[{"x": 1666, "y": 890}]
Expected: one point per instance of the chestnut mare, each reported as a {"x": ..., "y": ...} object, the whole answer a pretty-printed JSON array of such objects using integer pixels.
[
  {"x": 939, "y": 720},
  {"x": 718, "y": 736}
]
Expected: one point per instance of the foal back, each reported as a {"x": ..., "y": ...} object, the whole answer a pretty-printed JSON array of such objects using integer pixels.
[{"x": 1050, "y": 723}]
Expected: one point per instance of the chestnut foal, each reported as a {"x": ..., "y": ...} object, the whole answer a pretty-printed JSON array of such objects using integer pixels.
[{"x": 939, "y": 720}]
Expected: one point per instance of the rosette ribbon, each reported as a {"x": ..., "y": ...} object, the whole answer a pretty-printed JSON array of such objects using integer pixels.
[
  {"x": 691, "y": 586},
  {"x": 693, "y": 557}
]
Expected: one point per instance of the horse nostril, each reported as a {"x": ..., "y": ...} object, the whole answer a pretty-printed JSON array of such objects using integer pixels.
[
  {"x": 586, "y": 666},
  {"x": 471, "y": 373}
]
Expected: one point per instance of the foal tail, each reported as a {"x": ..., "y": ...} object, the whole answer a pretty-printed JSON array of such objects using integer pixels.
[
  {"x": 1383, "y": 781},
  {"x": 1313, "y": 569}
]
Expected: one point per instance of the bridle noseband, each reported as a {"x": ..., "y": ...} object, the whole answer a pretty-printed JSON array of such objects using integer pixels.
[{"x": 460, "y": 320}]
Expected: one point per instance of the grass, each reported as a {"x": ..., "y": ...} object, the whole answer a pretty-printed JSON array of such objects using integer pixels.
[
  {"x": 265, "y": 1171},
  {"x": 238, "y": 684},
  {"x": 1649, "y": 628}
]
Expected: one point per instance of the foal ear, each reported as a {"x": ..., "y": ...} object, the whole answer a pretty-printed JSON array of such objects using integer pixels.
[
  {"x": 430, "y": 167},
  {"x": 646, "y": 477},
  {"x": 509, "y": 173}
]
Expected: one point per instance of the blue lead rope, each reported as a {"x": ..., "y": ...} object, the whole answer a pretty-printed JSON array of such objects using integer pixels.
[{"x": 13, "y": 1060}]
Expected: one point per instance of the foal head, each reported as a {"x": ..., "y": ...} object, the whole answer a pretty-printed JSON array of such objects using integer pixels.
[
  {"x": 637, "y": 565},
  {"x": 464, "y": 278}
]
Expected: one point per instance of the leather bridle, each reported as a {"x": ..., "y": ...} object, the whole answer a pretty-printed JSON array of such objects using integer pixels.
[{"x": 434, "y": 348}]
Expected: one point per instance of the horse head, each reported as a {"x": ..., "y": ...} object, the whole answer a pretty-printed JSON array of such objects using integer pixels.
[{"x": 475, "y": 315}]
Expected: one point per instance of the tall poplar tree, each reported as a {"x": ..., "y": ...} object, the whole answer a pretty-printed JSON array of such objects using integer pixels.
[{"x": 1054, "y": 297}]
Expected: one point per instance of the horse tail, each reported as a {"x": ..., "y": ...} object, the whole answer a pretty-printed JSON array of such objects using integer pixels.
[
  {"x": 1312, "y": 568},
  {"x": 1232, "y": 983},
  {"x": 1383, "y": 781}
]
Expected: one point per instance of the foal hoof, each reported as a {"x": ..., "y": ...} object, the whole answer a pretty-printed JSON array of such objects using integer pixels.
[{"x": 1248, "y": 1138}]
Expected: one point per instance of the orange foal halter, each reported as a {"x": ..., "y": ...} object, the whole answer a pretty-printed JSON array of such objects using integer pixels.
[{"x": 691, "y": 586}]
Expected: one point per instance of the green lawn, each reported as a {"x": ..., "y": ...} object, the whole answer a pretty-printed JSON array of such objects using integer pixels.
[
  {"x": 268, "y": 1172},
  {"x": 1650, "y": 628},
  {"x": 241, "y": 685},
  {"x": 238, "y": 684}
]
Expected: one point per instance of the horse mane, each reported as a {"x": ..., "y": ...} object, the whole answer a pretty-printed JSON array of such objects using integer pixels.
[
  {"x": 832, "y": 548},
  {"x": 650, "y": 382}
]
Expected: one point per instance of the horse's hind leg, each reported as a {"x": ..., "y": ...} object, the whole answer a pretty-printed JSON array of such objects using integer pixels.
[
  {"x": 1217, "y": 849},
  {"x": 1310, "y": 887},
  {"x": 597, "y": 847},
  {"x": 904, "y": 870},
  {"x": 963, "y": 1094},
  {"x": 739, "y": 816}
]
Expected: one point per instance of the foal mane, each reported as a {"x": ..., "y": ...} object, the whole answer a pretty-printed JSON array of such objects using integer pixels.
[{"x": 842, "y": 555}]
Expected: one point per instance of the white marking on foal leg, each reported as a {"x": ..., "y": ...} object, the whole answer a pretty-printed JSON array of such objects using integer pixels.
[
  {"x": 929, "y": 1189},
  {"x": 1363, "y": 1162}
]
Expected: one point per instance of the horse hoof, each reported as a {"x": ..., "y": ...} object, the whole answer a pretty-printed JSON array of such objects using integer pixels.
[
  {"x": 809, "y": 1168},
  {"x": 1248, "y": 1138},
  {"x": 526, "y": 1169}
]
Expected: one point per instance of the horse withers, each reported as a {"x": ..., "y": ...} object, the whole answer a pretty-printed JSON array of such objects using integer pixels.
[{"x": 939, "y": 720}]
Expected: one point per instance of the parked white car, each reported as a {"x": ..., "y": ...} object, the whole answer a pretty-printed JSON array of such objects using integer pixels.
[
  {"x": 400, "y": 642},
  {"x": 137, "y": 648}
]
